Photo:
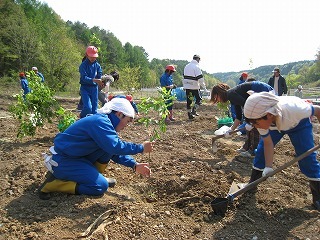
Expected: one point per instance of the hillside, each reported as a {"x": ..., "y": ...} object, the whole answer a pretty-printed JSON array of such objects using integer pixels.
[{"x": 263, "y": 73}]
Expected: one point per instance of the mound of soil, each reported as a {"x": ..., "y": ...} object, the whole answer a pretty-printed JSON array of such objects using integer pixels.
[{"x": 174, "y": 203}]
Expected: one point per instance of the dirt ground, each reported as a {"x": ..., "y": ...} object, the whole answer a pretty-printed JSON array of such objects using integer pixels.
[{"x": 174, "y": 203}]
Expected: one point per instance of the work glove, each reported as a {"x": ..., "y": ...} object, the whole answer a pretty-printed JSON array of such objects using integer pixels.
[
  {"x": 248, "y": 127},
  {"x": 49, "y": 162},
  {"x": 227, "y": 134},
  {"x": 267, "y": 170}
]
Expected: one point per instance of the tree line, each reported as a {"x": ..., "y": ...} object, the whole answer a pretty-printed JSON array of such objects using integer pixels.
[{"x": 32, "y": 34}]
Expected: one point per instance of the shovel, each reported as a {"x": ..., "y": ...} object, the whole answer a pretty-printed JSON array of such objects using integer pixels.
[
  {"x": 220, "y": 205},
  {"x": 214, "y": 145}
]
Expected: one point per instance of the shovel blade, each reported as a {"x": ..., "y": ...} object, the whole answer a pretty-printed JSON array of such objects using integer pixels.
[
  {"x": 236, "y": 187},
  {"x": 219, "y": 206}
]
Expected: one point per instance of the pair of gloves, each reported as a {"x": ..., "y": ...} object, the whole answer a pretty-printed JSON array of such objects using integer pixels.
[{"x": 248, "y": 127}]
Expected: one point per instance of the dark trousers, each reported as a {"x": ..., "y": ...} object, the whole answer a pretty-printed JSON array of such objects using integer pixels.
[{"x": 191, "y": 95}]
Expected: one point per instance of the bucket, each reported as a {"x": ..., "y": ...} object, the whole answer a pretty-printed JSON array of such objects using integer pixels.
[
  {"x": 227, "y": 121},
  {"x": 179, "y": 93},
  {"x": 219, "y": 206}
]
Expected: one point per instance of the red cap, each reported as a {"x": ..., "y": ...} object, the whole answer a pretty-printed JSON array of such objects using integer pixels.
[
  {"x": 129, "y": 98},
  {"x": 244, "y": 74},
  {"x": 21, "y": 74}
]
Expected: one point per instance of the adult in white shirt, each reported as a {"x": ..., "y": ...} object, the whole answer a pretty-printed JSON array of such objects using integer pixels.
[{"x": 192, "y": 80}]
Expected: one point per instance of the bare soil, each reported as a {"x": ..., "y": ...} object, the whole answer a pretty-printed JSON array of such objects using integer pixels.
[{"x": 174, "y": 203}]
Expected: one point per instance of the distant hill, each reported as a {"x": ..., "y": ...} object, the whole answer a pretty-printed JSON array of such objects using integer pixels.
[{"x": 263, "y": 73}]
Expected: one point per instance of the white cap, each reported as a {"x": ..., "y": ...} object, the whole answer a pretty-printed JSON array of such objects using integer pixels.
[
  {"x": 118, "y": 105},
  {"x": 34, "y": 68},
  {"x": 259, "y": 104}
]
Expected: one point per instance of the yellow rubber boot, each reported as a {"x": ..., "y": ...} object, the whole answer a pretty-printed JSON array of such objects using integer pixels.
[
  {"x": 100, "y": 166},
  {"x": 60, "y": 186},
  {"x": 51, "y": 184}
]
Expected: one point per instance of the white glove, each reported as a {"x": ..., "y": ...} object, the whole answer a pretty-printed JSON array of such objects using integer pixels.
[
  {"x": 248, "y": 127},
  {"x": 48, "y": 162},
  {"x": 227, "y": 134},
  {"x": 267, "y": 170}
]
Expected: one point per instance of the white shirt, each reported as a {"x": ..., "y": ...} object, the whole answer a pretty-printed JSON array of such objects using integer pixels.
[
  {"x": 276, "y": 85},
  {"x": 293, "y": 110},
  {"x": 192, "y": 70}
]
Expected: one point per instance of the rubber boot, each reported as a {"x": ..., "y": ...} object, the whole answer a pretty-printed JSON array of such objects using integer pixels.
[
  {"x": 255, "y": 175},
  {"x": 51, "y": 184},
  {"x": 101, "y": 168},
  {"x": 315, "y": 191},
  {"x": 171, "y": 116},
  {"x": 194, "y": 111},
  {"x": 190, "y": 116}
]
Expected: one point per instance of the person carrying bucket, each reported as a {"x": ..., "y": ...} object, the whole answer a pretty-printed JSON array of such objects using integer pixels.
[{"x": 274, "y": 116}]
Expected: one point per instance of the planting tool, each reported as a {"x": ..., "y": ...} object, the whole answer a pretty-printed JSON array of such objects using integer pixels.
[
  {"x": 220, "y": 204},
  {"x": 214, "y": 145}
]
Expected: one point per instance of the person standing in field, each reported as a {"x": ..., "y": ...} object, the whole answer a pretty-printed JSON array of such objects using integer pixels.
[
  {"x": 166, "y": 81},
  {"x": 39, "y": 74},
  {"x": 298, "y": 91},
  {"x": 278, "y": 82},
  {"x": 192, "y": 80},
  {"x": 24, "y": 84},
  {"x": 90, "y": 79}
]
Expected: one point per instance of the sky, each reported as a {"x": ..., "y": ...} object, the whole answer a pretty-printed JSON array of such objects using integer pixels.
[{"x": 229, "y": 35}]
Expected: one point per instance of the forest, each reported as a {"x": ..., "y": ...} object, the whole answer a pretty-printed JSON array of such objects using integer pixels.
[{"x": 32, "y": 34}]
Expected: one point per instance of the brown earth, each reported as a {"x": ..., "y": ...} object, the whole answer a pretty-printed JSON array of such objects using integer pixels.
[{"x": 173, "y": 204}]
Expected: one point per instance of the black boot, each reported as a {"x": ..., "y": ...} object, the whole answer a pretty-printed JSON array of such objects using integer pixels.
[
  {"x": 255, "y": 174},
  {"x": 315, "y": 191},
  {"x": 190, "y": 116},
  {"x": 194, "y": 112},
  {"x": 46, "y": 195}
]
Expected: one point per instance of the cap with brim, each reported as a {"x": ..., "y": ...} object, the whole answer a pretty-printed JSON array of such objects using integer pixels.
[
  {"x": 118, "y": 105},
  {"x": 259, "y": 104},
  {"x": 276, "y": 70}
]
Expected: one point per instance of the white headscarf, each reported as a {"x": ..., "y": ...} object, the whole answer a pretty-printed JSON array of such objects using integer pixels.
[
  {"x": 259, "y": 104},
  {"x": 118, "y": 105}
]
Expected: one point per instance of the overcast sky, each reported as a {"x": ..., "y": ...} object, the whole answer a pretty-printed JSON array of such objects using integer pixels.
[{"x": 225, "y": 33}]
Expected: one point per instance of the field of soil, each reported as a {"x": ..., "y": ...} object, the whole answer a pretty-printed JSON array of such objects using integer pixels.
[{"x": 174, "y": 203}]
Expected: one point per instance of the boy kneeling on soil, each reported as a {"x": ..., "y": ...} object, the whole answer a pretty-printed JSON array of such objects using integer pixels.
[
  {"x": 274, "y": 117},
  {"x": 81, "y": 153}
]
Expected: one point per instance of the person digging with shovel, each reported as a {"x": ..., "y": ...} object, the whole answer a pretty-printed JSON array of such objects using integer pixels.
[
  {"x": 81, "y": 153},
  {"x": 274, "y": 117}
]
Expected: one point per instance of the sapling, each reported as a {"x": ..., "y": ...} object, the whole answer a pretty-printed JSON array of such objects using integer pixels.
[
  {"x": 159, "y": 105},
  {"x": 38, "y": 107}
]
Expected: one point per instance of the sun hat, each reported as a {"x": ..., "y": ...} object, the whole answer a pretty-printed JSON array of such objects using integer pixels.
[{"x": 34, "y": 69}]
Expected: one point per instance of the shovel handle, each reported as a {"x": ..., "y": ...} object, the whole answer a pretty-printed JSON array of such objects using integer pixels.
[{"x": 270, "y": 174}]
